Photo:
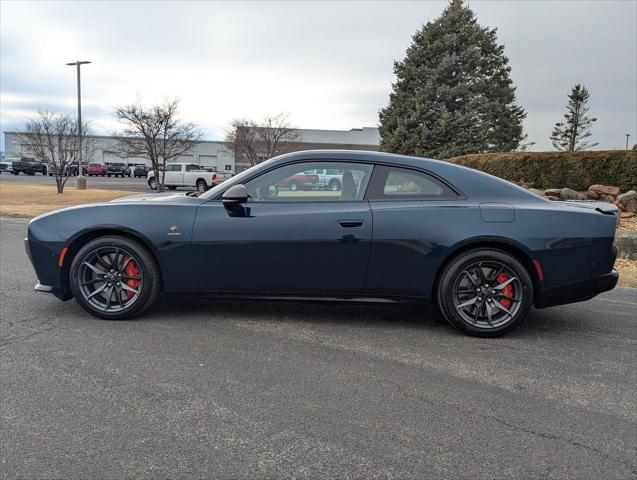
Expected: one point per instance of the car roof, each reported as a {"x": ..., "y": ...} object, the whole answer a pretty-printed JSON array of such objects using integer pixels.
[{"x": 472, "y": 183}]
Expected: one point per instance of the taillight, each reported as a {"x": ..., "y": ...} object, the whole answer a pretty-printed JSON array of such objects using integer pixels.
[{"x": 214, "y": 177}]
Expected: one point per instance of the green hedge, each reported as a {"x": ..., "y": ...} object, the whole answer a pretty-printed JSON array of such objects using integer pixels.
[{"x": 576, "y": 170}]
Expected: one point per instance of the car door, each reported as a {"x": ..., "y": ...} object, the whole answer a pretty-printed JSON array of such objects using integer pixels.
[
  {"x": 414, "y": 212},
  {"x": 174, "y": 175},
  {"x": 303, "y": 242}
]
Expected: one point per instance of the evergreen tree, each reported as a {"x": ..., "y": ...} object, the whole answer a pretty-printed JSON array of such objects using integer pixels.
[
  {"x": 571, "y": 134},
  {"x": 453, "y": 94}
]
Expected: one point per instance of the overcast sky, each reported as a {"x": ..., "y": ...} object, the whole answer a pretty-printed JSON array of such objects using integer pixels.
[{"x": 329, "y": 64}]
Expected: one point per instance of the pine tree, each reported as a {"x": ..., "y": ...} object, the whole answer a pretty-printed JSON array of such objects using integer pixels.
[
  {"x": 453, "y": 94},
  {"x": 571, "y": 134}
]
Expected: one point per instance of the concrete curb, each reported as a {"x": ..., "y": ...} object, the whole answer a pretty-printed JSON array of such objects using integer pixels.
[{"x": 626, "y": 243}]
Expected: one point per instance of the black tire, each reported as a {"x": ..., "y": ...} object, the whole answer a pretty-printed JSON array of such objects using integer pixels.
[
  {"x": 335, "y": 185},
  {"x": 171, "y": 188},
  {"x": 152, "y": 183},
  {"x": 466, "y": 269},
  {"x": 294, "y": 186},
  {"x": 149, "y": 287},
  {"x": 109, "y": 175},
  {"x": 202, "y": 186}
]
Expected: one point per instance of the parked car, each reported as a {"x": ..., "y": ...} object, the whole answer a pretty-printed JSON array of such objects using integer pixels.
[
  {"x": 140, "y": 171},
  {"x": 299, "y": 181},
  {"x": 118, "y": 170},
  {"x": 328, "y": 178},
  {"x": 95, "y": 169},
  {"x": 28, "y": 167},
  {"x": 5, "y": 167},
  {"x": 72, "y": 170},
  {"x": 483, "y": 249},
  {"x": 187, "y": 175}
]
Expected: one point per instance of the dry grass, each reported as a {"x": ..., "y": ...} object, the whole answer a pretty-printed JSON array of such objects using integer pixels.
[
  {"x": 29, "y": 201},
  {"x": 627, "y": 272}
]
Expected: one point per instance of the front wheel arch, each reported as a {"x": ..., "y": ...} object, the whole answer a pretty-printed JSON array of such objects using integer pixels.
[
  {"x": 516, "y": 251},
  {"x": 83, "y": 238}
]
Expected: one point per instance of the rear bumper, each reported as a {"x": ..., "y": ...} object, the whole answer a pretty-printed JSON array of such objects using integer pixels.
[{"x": 576, "y": 292}]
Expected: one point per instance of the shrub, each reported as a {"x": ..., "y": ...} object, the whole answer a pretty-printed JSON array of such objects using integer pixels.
[{"x": 576, "y": 170}]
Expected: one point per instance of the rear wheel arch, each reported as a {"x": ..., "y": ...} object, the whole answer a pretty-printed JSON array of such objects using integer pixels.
[
  {"x": 512, "y": 249},
  {"x": 83, "y": 238}
]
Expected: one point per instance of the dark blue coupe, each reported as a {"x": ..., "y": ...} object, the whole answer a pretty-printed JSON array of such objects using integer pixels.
[{"x": 358, "y": 226}]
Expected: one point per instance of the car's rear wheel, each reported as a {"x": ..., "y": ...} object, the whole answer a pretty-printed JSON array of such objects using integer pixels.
[
  {"x": 201, "y": 186},
  {"x": 114, "y": 278},
  {"x": 335, "y": 185},
  {"x": 294, "y": 186},
  {"x": 485, "y": 292}
]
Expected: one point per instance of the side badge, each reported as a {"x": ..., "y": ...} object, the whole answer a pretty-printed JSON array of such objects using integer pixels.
[{"x": 174, "y": 230}]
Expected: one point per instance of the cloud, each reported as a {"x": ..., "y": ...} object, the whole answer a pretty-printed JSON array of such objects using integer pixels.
[{"x": 327, "y": 63}]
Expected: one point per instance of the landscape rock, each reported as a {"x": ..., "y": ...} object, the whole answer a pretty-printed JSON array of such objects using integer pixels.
[
  {"x": 627, "y": 214},
  {"x": 607, "y": 198},
  {"x": 627, "y": 201},
  {"x": 569, "y": 194},
  {"x": 537, "y": 192},
  {"x": 553, "y": 192},
  {"x": 605, "y": 190},
  {"x": 592, "y": 195},
  {"x": 552, "y": 197}
]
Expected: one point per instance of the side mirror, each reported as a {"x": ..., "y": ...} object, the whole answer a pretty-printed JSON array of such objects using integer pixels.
[{"x": 235, "y": 194}]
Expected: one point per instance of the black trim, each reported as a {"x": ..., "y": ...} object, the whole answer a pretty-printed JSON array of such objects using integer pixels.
[{"x": 576, "y": 292}]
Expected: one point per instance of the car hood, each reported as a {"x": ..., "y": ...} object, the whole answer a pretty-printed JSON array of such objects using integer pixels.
[{"x": 152, "y": 197}]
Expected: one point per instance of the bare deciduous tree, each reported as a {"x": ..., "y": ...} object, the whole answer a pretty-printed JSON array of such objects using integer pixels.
[
  {"x": 157, "y": 133},
  {"x": 52, "y": 139},
  {"x": 260, "y": 140}
]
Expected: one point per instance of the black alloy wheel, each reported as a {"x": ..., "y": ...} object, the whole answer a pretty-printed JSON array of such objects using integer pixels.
[
  {"x": 114, "y": 277},
  {"x": 485, "y": 292}
]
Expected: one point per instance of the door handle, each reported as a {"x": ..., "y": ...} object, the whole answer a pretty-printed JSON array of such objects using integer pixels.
[{"x": 350, "y": 223}]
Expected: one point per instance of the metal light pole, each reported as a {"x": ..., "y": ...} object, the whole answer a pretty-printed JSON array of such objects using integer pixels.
[
  {"x": 627, "y": 137},
  {"x": 80, "y": 181}
]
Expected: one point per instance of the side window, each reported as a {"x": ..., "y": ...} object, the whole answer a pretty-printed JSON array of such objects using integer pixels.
[
  {"x": 173, "y": 168},
  {"x": 404, "y": 183},
  {"x": 295, "y": 183}
]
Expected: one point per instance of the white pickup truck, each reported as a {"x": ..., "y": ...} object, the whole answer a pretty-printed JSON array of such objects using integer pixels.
[{"x": 188, "y": 175}]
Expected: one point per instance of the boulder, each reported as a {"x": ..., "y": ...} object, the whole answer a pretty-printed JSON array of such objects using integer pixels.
[
  {"x": 553, "y": 192},
  {"x": 569, "y": 194},
  {"x": 592, "y": 195},
  {"x": 627, "y": 214},
  {"x": 627, "y": 201},
  {"x": 605, "y": 190},
  {"x": 552, "y": 197},
  {"x": 630, "y": 206},
  {"x": 606, "y": 198},
  {"x": 537, "y": 192}
]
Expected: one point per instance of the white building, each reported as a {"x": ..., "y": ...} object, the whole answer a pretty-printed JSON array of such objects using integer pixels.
[{"x": 213, "y": 153}]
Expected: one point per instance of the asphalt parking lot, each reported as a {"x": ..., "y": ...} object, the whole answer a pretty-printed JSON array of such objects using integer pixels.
[
  {"x": 204, "y": 388},
  {"x": 101, "y": 183}
]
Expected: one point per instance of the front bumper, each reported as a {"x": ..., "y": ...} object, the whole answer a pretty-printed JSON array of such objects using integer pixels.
[{"x": 576, "y": 292}]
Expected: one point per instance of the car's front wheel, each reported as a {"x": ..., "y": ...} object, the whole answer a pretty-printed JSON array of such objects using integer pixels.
[
  {"x": 485, "y": 292},
  {"x": 152, "y": 183},
  {"x": 201, "y": 186},
  {"x": 114, "y": 278}
]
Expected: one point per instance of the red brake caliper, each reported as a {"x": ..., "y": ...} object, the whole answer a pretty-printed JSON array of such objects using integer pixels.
[
  {"x": 132, "y": 271},
  {"x": 508, "y": 290}
]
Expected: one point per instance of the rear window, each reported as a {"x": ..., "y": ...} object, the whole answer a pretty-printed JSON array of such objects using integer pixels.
[{"x": 405, "y": 184}]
